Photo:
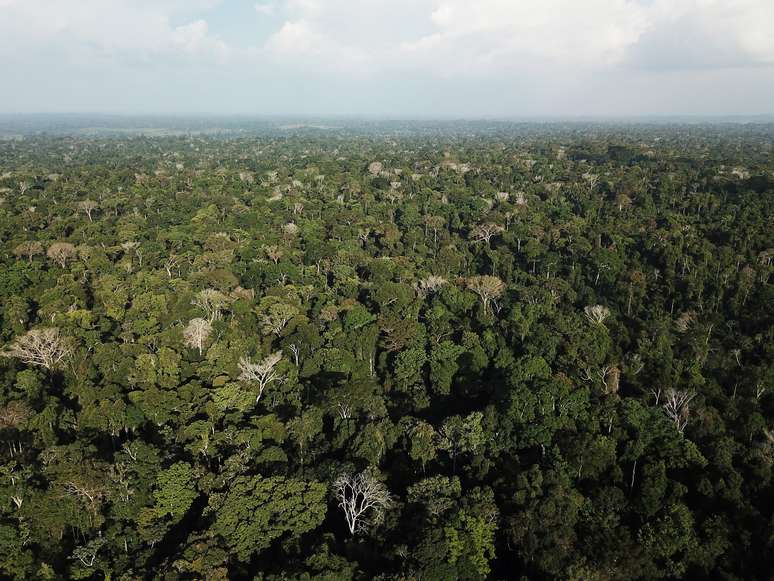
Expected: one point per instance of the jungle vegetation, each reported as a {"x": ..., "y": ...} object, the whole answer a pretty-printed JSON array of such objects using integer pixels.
[{"x": 461, "y": 352}]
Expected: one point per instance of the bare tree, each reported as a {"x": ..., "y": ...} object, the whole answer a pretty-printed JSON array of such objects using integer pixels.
[
  {"x": 91, "y": 493},
  {"x": 677, "y": 407},
  {"x": 212, "y": 302},
  {"x": 14, "y": 414},
  {"x": 635, "y": 364},
  {"x": 612, "y": 379},
  {"x": 592, "y": 180},
  {"x": 430, "y": 285},
  {"x": 87, "y": 554},
  {"x": 684, "y": 321},
  {"x": 362, "y": 498},
  {"x": 44, "y": 347},
  {"x": 277, "y": 317},
  {"x": 171, "y": 263},
  {"x": 485, "y": 232},
  {"x": 61, "y": 252},
  {"x": 296, "y": 351},
  {"x": 435, "y": 223},
  {"x": 88, "y": 207},
  {"x": 274, "y": 252},
  {"x": 261, "y": 374},
  {"x": 597, "y": 314},
  {"x": 290, "y": 230},
  {"x": 196, "y": 333},
  {"x": 622, "y": 201},
  {"x": 133, "y": 246},
  {"x": 487, "y": 288},
  {"x": 28, "y": 249}
]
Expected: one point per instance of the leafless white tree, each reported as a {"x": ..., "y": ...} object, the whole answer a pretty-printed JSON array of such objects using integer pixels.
[
  {"x": 87, "y": 554},
  {"x": 290, "y": 230},
  {"x": 296, "y": 351},
  {"x": 344, "y": 410},
  {"x": 737, "y": 353},
  {"x": 635, "y": 364},
  {"x": 129, "y": 246},
  {"x": 277, "y": 318},
  {"x": 196, "y": 333},
  {"x": 596, "y": 314},
  {"x": 28, "y": 249},
  {"x": 88, "y": 207},
  {"x": 592, "y": 180},
  {"x": 262, "y": 373},
  {"x": 430, "y": 285},
  {"x": 212, "y": 302},
  {"x": 684, "y": 321},
  {"x": 362, "y": 498},
  {"x": 172, "y": 262},
  {"x": 274, "y": 252},
  {"x": 44, "y": 347},
  {"x": 677, "y": 407},
  {"x": 61, "y": 252},
  {"x": 485, "y": 232},
  {"x": 487, "y": 288}
]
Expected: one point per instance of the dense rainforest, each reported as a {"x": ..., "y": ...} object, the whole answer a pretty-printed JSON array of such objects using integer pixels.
[{"x": 325, "y": 353}]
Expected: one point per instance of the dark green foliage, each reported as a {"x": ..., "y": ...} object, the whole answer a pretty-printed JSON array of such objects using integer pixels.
[{"x": 249, "y": 320}]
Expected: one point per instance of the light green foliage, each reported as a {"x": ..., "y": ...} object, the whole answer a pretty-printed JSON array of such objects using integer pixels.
[
  {"x": 443, "y": 365},
  {"x": 255, "y": 511},
  {"x": 422, "y": 441},
  {"x": 175, "y": 491},
  {"x": 408, "y": 367},
  {"x": 461, "y": 435}
]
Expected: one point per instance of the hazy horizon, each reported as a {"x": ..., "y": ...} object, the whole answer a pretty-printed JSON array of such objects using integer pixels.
[
  {"x": 379, "y": 117},
  {"x": 395, "y": 59}
]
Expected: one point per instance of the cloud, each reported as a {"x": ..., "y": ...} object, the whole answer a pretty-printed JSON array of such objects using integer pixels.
[
  {"x": 302, "y": 44},
  {"x": 118, "y": 28},
  {"x": 451, "y": 56},
  {"x": 589, "y": 32},
  {"x": 492, "y": 37},
  {"x": 706, "y": 34},
  {"x": 265, "y": 9}
]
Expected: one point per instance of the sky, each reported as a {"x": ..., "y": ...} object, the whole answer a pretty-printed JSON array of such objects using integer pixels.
[{"x": 390, "y": 58}]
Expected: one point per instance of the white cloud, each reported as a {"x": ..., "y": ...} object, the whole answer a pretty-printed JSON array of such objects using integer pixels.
[
  {"x": 121, "y": 28},
  {"x": 494, "y": 37},
  {"x": 706, "y": 34},
  {"x": 300, "y": 43},
  {"x": 493, "y": 56},
  {"x": 265, "y": 9}
]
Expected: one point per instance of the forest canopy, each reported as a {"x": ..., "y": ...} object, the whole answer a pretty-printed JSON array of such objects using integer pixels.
[{"x": 375, "y": 352}]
